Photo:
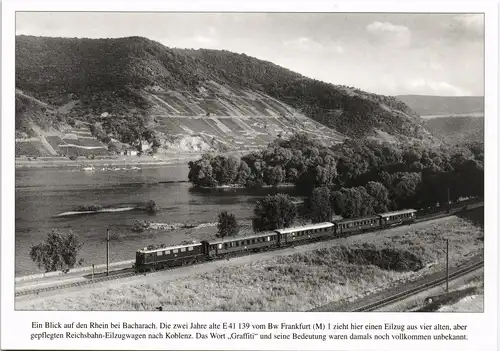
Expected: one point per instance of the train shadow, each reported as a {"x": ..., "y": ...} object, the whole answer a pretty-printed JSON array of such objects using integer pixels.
[{"x": 100, "y": 274}]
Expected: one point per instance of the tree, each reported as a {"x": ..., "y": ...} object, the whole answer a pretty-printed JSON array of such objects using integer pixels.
[
  {"x": 201, "y": 172},
  {"x": 59, "y": 252},
  {"x": 320, "y": 206},
  {"x": 380, "y": 196},
  {"x": 225, "y": 169},
  {"x": 273, "y": 212},
  {"x": 151, "y": 207},
  {"x": 227, "y": 225},
  {"x": 274, "y": 175},
  {"x": 347, "y": 202},
  {"x": 244, "y": 173}
]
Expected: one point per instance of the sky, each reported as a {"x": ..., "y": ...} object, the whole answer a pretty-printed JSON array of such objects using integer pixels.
[{"x": 390, "y": 54}]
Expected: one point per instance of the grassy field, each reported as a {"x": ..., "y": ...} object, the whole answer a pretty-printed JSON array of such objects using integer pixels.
[{"x": 344, "y": 269}]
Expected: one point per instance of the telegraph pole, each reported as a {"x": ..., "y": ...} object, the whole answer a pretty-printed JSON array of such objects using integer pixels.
[
  {"x": 447, "y": 264},
  {"x": 449, "y": 205},
  {"x": 107, "y": 251}
]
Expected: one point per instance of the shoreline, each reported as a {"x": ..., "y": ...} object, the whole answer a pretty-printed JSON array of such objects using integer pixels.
[
  {"x": 60, "y": 162},
  {"x": 167, "y": 159}
]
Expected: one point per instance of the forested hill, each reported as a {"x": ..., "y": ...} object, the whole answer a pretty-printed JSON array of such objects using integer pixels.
[
  {"x": 131, "y": 87},
  {"x": 456, "y": 130},
  {"x": 426, "y": 105}
]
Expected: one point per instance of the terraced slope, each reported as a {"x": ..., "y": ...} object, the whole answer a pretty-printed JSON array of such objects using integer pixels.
[
  {"x": 222, "y": 116},
  {"x": 41, "y": 131}
]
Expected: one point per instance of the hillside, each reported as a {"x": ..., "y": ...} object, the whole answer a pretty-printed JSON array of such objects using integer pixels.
[
  {"x": 135, "y": 92},
  {"x": 456, "y": 130},
  {"x": 426, "y": 105}
]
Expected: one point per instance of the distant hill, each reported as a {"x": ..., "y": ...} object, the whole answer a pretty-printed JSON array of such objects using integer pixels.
[
  {"x": 455, "y": 130},
  {"x": 426, "y": 105},
  {"x": 132, "y": 90}
]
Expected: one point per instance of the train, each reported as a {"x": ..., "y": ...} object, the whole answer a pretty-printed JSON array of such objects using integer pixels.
[{"x": 157, "y": 257}]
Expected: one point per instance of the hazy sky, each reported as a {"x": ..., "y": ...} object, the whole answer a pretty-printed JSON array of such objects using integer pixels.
[{"x": 383, "y": 53}]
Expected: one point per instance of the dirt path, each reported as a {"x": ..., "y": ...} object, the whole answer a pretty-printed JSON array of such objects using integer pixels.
[{"x": 208, "y": 267}]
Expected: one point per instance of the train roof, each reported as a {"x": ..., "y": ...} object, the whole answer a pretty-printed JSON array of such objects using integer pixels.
[
  {"x": 305, "y": 227},
  {"x": 394, "y": 213},
  {"x": 145, "y": 250},
  {"x": 236, "y": 238},
  {"x": 357, "y": 219}
]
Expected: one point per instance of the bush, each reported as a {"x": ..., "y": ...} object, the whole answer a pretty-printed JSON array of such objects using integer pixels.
[
  {"x": 140, "y": 226},
  {"x": 91, "y": 207},
  {"x": 151, "y": 207}
]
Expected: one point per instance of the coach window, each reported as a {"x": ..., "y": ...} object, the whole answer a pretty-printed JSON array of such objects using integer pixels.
[
  {"x": 190, "y": 248},
  {"x": 159, "y": 253},
  {"x": 175, "y": 251},
  {"x": 183, "y": 249},
  {"x": 220, "y": 246}
]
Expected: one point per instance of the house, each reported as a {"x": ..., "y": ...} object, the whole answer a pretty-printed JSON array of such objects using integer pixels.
[
  {"x": 145, "y": 145},
  {"x": 129, "y": 152}
]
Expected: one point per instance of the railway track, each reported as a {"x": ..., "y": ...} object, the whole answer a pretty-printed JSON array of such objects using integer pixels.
[
  {"x": 75, "y": 284},
  {"x": 131, "y": 272},
  {"x": 403, "y": 291},
  {"x": 407, "y": 293}
]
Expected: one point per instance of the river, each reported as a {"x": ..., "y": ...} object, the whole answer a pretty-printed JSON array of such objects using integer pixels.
[{"x": 42, "y": 194}]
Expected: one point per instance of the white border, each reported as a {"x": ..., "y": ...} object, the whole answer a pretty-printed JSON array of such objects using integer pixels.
[{"x": 16, "y": 326}]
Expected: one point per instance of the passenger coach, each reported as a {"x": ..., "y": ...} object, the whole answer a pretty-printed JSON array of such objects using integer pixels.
[
  {"x": 242, "y": 243},
  {"x": 397, "y": 217},
  {"x": 310, "y": 232},
  {"x": 346, "y": 226}
]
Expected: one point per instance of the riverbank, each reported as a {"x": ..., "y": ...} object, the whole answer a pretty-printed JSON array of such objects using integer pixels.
[
  {"x": 121, "y": 161},
  {"x": 115, "y": 161}
]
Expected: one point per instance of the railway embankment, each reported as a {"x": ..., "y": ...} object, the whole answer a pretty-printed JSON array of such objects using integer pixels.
[{"x": 298, "y": 279}]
